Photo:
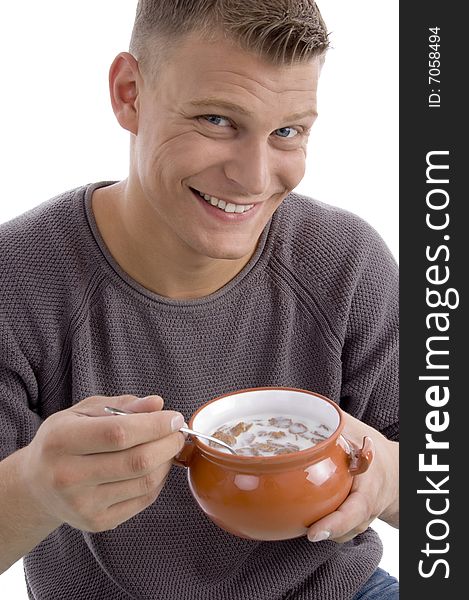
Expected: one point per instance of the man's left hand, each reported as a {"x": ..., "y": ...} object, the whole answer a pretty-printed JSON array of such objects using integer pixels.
[{"x": 374, "y": 494}]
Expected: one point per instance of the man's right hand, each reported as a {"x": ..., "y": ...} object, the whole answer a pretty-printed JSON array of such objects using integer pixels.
[{"x": 93, "y": 470}]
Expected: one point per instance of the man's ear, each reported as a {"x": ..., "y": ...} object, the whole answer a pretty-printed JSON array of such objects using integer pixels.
[{"x": 124, "y": 78}]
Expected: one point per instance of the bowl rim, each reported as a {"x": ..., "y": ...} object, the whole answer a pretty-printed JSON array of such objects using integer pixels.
[{"x": 222, "y": 456}]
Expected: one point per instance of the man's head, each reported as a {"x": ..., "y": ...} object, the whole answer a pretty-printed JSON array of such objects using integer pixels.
[{"x": 227, "y": 116}]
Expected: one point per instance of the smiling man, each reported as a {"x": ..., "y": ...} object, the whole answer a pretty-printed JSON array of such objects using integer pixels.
[
  {"x": 218, "y": 141},
  {"x": 199, "y": 274}
]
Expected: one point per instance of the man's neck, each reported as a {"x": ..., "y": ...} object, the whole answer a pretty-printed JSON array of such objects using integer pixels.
[{"x": 159, "y": 263}]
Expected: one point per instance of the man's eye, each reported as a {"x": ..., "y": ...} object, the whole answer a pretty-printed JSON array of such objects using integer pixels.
[
  {"x": 287, "y": 132},
  {"x": 217, "y": 120}
]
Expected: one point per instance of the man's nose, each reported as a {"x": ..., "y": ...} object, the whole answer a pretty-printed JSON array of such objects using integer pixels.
[{"x": 249, "y": 167}]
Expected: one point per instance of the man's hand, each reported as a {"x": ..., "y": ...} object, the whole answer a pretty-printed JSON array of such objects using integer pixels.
[
  {"x": 95, "y": 471},
  {"x": 374, "y": 493}
]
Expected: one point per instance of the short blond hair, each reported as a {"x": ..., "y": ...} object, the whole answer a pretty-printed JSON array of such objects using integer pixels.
[{"x": 281, "y": 31}]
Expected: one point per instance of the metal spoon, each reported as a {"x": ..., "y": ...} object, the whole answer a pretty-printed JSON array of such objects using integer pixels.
[{"x": 118, "y": 411}]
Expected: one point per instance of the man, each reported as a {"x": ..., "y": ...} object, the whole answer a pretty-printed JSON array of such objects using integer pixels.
[{"x": 199, "y": 274}]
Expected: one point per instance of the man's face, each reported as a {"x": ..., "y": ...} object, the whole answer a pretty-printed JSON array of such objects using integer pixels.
[{"x": 224, "y": 123}]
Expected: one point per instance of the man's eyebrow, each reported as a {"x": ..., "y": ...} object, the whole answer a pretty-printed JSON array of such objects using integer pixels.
[
  {"x": 232, "y": 106},
  {"x": 219, "y": 103}
]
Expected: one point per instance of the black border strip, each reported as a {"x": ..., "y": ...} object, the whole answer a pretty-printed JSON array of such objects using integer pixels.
[{"x": 434, "y": 256}]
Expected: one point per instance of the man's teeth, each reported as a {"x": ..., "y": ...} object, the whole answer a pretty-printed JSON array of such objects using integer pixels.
[{"x": 228, "y": 208}]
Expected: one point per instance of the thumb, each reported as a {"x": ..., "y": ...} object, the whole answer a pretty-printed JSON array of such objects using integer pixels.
[
  {"x": 94, "y": 405},
  {"x": 147, "y": 404}
]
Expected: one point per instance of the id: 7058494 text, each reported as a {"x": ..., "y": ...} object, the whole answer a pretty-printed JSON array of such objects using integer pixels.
[{"x": 434, "y": 71}]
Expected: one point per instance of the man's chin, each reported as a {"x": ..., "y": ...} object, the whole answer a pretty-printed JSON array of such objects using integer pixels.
[{"x": 230, "y": 252}]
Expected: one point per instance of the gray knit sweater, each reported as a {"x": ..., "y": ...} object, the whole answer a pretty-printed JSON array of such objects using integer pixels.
[{"x": 315, "y": 308}]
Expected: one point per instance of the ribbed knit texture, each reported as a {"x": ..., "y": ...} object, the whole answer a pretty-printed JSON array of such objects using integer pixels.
[{"x": 315, "y": 308}]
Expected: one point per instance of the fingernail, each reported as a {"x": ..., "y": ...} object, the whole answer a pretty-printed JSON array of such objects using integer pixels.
[
  {"x": 177, "y": 422},
  {"x": 138, "y": 403},
  {"x": 320, "y": 536}
]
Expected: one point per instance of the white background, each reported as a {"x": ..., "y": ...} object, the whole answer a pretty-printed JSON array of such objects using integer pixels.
[{"x": 59, "y": 132}]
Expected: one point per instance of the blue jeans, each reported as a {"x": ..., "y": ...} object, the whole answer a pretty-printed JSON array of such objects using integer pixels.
[{"x": 380, "y": 586}]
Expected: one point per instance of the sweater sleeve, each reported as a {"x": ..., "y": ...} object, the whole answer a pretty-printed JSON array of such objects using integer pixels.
[
  {"x": 370, "y": 363},
  {"x": 18, "y": 394}
]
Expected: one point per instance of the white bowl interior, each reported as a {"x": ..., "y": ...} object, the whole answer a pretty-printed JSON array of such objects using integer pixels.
[{"x": 272, "y": 402}]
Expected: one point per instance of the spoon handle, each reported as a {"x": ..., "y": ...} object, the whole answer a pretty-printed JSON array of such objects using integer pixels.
[{"x": 117, "y": 411}]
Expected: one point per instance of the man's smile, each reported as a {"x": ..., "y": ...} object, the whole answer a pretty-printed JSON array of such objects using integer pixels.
[{"x": 225, "y": 206}]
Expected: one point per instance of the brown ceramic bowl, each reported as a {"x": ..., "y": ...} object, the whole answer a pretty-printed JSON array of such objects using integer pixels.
[{"x": 271, "y": 497}]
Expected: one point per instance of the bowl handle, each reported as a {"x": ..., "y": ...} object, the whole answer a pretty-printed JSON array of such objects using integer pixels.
[
  {"x": 360, "y": 458},
  {"x": 184, "y": 458}
]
